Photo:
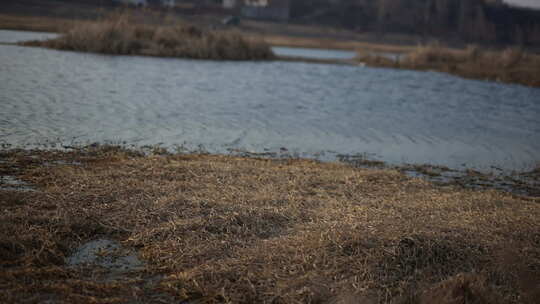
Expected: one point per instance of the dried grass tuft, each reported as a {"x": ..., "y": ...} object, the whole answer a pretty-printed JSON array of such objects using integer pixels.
[{"x": 464, "y": 288}]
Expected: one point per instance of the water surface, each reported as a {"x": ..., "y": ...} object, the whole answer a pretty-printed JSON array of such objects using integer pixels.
[
  {"x": 51, "y": 97},
  {"x": 7, "y": 36},
  {"x": 311, "y": 53}
]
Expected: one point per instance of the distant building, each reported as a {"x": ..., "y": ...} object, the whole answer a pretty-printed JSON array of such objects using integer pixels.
[
  {"x": 140, "y": 3},
  {"x": 230, "y": 4},
  {"x": 161, "y": 3},
  {"x": 144, "y": 3},
  {"x": 261, "y": 9}
]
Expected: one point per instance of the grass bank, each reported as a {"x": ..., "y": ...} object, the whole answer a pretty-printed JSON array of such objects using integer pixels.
[
  {"x": 221, "y": 229},
  {"x": 511, "y": 65},
  {"x": 34, "y": 23},
  {"x": 335, "y": 44},
  {"x": 123, "y": 35}
]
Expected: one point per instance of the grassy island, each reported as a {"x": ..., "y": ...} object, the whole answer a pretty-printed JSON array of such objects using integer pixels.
[{"x": 123, "y": 35}]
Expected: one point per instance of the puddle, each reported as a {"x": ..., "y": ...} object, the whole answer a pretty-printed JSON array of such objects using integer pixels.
[
  {"x": 107, "y": 254},
  {"x": 521, "y": 184},
  {"x": 11, "y": 183},
  {"x": 109, "y": 261},
  {"x": 61, "y": 163},
  {"x": 362, "y": 160},
  {"x": 282, "y": 153}
]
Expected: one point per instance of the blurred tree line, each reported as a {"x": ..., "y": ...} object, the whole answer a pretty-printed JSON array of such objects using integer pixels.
[{"x": 488, "y": 21}]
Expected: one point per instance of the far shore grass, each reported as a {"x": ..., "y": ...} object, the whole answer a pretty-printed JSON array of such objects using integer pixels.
[
  {"x": 224, "y": 229},
  {"x": 510, "y": 65}
]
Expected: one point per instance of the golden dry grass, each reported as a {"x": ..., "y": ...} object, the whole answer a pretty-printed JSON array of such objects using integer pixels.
[
  {"x": 123, "y": 34},
  {"x": 219, "y": 229},
  {"x": 512, "y": 65}
]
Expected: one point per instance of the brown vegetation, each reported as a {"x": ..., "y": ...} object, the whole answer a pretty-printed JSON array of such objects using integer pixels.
[
  {"x": 122, "y": 35},
  {"x": 512, "y": 65},
  {"x": 328, "y": 43},
  {"x": 34, "y": 23},
  {"x": 218, "y": 229}
]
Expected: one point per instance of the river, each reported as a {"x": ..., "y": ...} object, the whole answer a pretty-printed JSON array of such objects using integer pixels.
[{"x": 52, "y": 98}]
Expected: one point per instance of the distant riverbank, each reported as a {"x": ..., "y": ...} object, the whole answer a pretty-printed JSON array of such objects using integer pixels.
[{"x": 513, "y": 65}]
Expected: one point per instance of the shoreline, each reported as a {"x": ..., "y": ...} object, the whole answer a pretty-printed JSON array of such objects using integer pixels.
[
  {"x": 506, "y": 77},
  {"x": 523, "y": 184}
]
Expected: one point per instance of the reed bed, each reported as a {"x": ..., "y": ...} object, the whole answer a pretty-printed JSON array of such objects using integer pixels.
[
  {"x": 512, "y": 65},
  {"x": 223, "y": 229},
  {"x": 124, "y": 35}
]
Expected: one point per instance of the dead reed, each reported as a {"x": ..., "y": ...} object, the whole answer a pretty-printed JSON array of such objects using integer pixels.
[
  {"x": 512, "y": 65},
  {"x": 122, "y": 34},
  {"x": 218, "y": 229}
]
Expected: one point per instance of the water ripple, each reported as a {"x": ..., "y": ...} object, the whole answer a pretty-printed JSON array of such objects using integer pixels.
[{"x": 419, "y": 117}]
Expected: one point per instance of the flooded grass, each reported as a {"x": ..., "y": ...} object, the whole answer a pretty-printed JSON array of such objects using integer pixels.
[
  {"x": 225, "y": 229},
  {"x": 511, "y": 65},
  {"x": 124, "y": 35}
]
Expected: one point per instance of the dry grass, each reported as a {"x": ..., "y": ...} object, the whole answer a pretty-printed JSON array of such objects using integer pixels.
[
  {"x": 512, "y": 65},
  {"x": 34, "y": 23},
  {"x": 340, "y": 44},
  {"x": 217, "y": 229},
  {"x": 124, "y": 35}
]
